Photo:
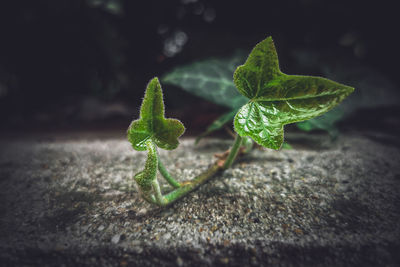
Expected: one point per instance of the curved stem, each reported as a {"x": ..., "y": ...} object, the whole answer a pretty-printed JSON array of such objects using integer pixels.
[
  {"x": 184, "y": 188},
  {"x": 157, "y": 192},
  {"x": 147, "y": 179},
  {"x": 167, "y": 175},
  {"x": 233, "y": 152},
  {"x": 191, "y": 185},
  {"x": 150, "y": 199}
]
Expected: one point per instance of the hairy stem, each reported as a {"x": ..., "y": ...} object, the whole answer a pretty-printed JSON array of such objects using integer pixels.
[
  {"x": 233, "y": 152},
  {"x": 167, "y": 175},
  {"x": 150, "y": 167},
  {"x": 146, "y": 178}
]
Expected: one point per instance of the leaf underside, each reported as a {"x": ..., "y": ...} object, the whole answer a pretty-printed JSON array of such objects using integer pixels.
[
  {"x": 324, "y": 122},
  {"x": 276, "y": 99},
  {"x": 210, "y": 79},
  {"x": 152, "y": 124}
]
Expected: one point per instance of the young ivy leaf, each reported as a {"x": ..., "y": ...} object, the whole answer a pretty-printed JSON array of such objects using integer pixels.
[
  {"x": 152, "y": 124},
  {"x": 276, "y": 99}
]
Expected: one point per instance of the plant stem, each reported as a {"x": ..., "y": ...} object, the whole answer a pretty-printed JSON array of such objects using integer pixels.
[
  {"x": 157, "y": 192},
  {"x": 233, "y": 152},
  {"x": 150, "y": 199},
  {"x": 167, "y": 175},
  {"x": 192, "y": 185}
]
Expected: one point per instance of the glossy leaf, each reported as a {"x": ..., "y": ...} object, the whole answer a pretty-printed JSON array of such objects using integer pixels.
[
  {"x": 276, "y": 99},
  {"x": 210, "y": 79},
  {"x": 374, "y": 90},
  {"x": 152, "y": 124}
]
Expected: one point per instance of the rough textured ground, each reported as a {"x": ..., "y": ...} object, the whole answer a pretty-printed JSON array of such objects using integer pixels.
[{"x": 68, "y": 202}]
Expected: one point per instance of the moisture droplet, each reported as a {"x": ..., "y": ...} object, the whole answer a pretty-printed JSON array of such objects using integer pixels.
[{"x": 263, "y": 134}]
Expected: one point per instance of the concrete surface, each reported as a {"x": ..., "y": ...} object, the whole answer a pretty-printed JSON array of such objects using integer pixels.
[{"x": 71, "y": 202}]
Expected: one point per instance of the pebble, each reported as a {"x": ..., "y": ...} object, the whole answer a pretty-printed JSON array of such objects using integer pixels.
[
  {"x": 142, "y": 212},
  {"x": 167, "y": 236},
  {"x": 115, "y": 239}
]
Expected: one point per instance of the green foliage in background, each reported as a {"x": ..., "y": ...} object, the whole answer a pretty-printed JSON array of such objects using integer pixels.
[
  {"x": 210, "y": 79},
  {"x": 324, "y": 122}
]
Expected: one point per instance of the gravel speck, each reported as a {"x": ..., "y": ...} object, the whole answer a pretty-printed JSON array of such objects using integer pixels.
[{"x": 115, "y": 238}]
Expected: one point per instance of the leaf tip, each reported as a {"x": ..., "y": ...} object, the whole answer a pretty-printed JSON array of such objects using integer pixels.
[
  {"x": 350, "y": 89},
  {"x": 153, "y": 85},
  {"x": 268, "y": 42},
  {"x": 155, "y": 80}
]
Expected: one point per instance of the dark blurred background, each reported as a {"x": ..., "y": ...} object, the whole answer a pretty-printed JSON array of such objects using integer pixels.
[{"x": 84, "y": 64}]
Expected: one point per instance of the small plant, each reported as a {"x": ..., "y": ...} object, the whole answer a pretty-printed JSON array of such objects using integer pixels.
[{"x": 273, "y": 100}]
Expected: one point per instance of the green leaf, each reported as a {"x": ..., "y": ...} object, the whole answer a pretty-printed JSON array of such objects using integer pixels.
[
  {"x": 210, "y": 79},
  {"x": 276, "y": 99},
  {"x": 286, "y": 145},
  {"x": 152, "y": 124},
  {"x": 324, "y": 122},
  {"x": 217, "y": 124}
]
